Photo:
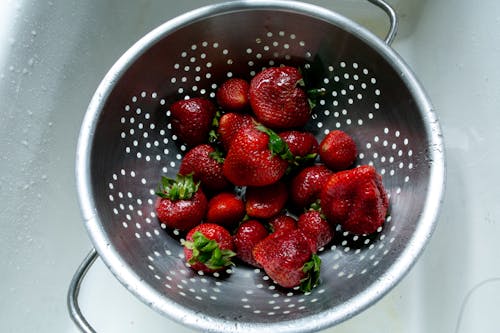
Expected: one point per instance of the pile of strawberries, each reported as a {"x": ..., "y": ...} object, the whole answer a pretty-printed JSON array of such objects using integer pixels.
[{"x": 254, "y": 185}]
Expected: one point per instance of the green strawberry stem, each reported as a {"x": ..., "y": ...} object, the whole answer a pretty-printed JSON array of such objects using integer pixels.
[
  {"x": 277, "y": 145},
  {"x": 208, "y": 252},
  {"x": 316, "y": 205},
  {"x": 213, "y": 137},
  {"x": 313, "y": 95},
  {"x": 311, "y": 269},
  {"x": 183, "y": 187},
  {"x": 217, "y": 155}
]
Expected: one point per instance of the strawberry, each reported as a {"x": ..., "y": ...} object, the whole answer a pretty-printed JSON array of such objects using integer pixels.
[
  {"x": 254, "y": 159},
  {"x": 208, "y": 248},
  {"x": 232, "y": 95},
  {"x": 192, "y": 119},
  {"x": 338, "y": 150},
  {"x": 355, "y": 199},
  {"x": 229, "y": 124},
  {"x": 205, "y": 163},
  {"x": 314, "y": 225},
  {"x": 282, "y": 223},
  {"x": 248, "y": 234},
  {"x": 266, "y": 201},
  {"x": 277, "y": 100},
  {"x": 305, "y": 187},
  {"x": 301, "y": 144},
  {"x": 181, "y": 203},
  {"x": 289, "y": 260},
  {"x": 226, "y": 209}
]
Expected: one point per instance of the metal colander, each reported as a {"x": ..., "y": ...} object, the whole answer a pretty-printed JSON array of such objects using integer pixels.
[{"x": 126, "y": 145}]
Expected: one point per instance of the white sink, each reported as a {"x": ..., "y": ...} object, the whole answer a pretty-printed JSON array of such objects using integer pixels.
[{"x": 54, "y": 53}]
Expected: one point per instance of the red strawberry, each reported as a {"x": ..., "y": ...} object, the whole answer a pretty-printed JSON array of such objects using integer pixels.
[
  {"x": 232, "y": 95},
  {"x": 229, "y": 124},
  {"x": 226, "y": 209},
  {"x": 282, "y": 223},
  {"x": 276, "y": 98},
  {"x": 248, "y": 234},
  {"x": 266, "y": 201},
  {"x": 355, "y": 199},
  {"x": 205, "y": 163},
  {"x": 314, "y": 225},
  {"x": 301, "y": 144},
  {"x": 338, "y": 150},
  {"x": 192, "y": 119},
  {"x": 305, "y": 187},
  {"x": 288, "y": 259},
  {"x": 209, "y": 248},
  {"x": 181, "y": 203},
  {"x": 252, "y": 160}
]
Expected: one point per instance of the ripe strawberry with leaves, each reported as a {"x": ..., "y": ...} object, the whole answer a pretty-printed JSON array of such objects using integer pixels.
[
  {"x": 209, "y": 248},
  {"x": 338, "y": 150},
  {"x": 181, "y": 204},
  {"x": 226, "y": 209},
  {"x": 191, "y": 119},
  {"x": 356, "y": 199},
  {"x": 205, "y": 163},
  {"x": 248, "y": 234},
  {"x": 289, "y": 259},
  {"x": 232, "y": 95},
  {"x": 277, "y": 98},
  {"x": 305, "y": 186},
  {"x": 255, "y": 157}
]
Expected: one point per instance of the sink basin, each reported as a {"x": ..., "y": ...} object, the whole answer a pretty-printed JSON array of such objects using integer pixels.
[{"x": 54, "y": 54}]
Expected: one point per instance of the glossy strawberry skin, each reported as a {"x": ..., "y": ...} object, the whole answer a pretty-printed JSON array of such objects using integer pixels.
[
  {"x": 204, "y": 167},
  {"x": 314, "y": 225},
  {"x": 338, "y": 150},
  {"x": 282, "y": 223},
  {"x": 249, "y": 161},
  {"x": 356, "y": 199},
  {"x": 248, "y": 234},
  {"x": 229, "y": 124},
  {"x": 300, "y": 143},
  {"x": 277, "y": 100},
  {"x": 232, "y": 95},
  {"x": 225, "y": 209},
  {"x": 182, "y": 214},
  {"x": 213, "y": 232},
  {"x": 191, "y": 119},
  {"x": 266, "y": 201},
  {"x": 283, "y": 255},
  {"x": 305, "y": 187}
]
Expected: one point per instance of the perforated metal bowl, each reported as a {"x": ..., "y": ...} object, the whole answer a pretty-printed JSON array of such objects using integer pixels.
[{"x": 126, "y": 144}]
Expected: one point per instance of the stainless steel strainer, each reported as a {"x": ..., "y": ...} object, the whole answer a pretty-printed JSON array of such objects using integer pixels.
[{"x": 126, "y": 144}]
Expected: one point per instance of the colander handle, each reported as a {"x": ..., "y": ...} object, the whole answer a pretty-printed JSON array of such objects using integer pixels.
[
  {"x": 393, "y": 19},
  {"x": 74, "y": 289}
]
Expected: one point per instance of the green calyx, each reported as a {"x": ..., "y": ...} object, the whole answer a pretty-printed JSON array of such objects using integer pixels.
[
  {"x": 217, "y": 155},
  {"x": 183, "y": 187},
  {"x": 277, "y": 145},
  {"x": 213, "y": 137},
  {"x": 312, "y": 270},
  {"x": 313, "y": 96},
  {"x": 208, "y": 252}
]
